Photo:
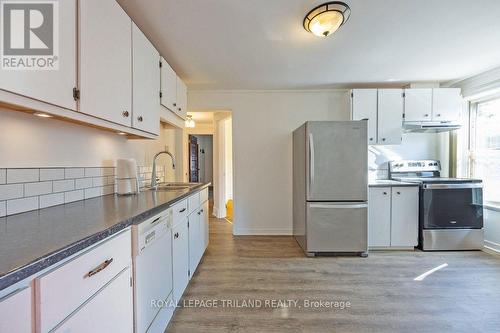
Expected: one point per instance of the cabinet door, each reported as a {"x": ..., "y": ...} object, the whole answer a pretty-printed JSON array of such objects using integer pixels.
[
  {"x": 446, "y": 104},
  {"x": 194, "y": 240},
  {"x": 110, "y": 310},
  {"x": 15, "y": 312},
  {"x": 146, "y": 84},
  {"x": 390, "y": 116},
  {"x": 168, "y": 86},
  {"x": 180, "y": 258},
  {"x": 418, "y": 104},
  {"x": 364, "y": 106},
  {"x": 105, "y": 61},
  {"x": 181, "y": 99},
  {"x": 404, "y": 225},
  {"x": 379, "y": 217},
  {"x": 51, "y": 86},
  {"x": 205, "y": 226}
]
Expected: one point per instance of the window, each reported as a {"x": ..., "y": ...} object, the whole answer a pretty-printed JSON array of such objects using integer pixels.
[{"x": 484, "y": 147}]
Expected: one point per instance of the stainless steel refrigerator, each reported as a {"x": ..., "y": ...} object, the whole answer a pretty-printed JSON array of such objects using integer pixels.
[{"x": 330, "y": 187}]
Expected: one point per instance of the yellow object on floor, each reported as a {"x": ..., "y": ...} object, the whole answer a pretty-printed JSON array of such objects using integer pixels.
[{"x": 229, "y": 210}]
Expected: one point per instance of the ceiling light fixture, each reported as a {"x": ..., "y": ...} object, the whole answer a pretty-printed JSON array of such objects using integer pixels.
[
  {"x": 121, "y": 133},
  {"x": 190, "y": 122},
  {"x": 325, "y": 19},
  {"x": 42, "y": 115}
]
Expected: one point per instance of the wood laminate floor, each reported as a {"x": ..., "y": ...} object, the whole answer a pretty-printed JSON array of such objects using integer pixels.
[{"x": 383, "y": 296}]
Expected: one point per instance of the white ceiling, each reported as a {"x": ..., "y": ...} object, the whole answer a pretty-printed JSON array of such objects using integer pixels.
[{"x": 260, "y": 44}]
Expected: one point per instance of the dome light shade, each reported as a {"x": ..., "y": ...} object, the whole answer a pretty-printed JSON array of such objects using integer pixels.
[
  {"x": 189, "y": 122},
  {"x": 325, "y": 19}
]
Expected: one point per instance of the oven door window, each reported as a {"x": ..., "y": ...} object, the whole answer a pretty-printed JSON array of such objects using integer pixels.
[{"x": 452, "y": 208}]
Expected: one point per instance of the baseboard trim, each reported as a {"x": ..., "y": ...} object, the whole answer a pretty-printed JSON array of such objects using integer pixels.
[
  {"x": 491, "y": 247},
  {"x": 262, "y": 232}
]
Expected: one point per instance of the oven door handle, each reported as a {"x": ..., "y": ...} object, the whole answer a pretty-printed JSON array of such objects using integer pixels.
[{"x": 452, "y": 186}]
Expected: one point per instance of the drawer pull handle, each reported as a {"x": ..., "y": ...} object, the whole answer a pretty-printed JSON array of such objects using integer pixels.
[
  {"x": 182, "y": 210},
  {"x": 99, "y": 268},
  {"x": 176, "y": 235}
]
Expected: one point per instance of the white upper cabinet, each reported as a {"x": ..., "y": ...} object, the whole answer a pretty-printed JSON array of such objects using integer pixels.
[
  {"x": 168, "y": 86},
  {"x": 439, "y": 104},
  {"x": 418, "y": 104},
  {"x": 390, "y": 116},
  {"x": 105, "y": 61},
  {"x": 146, "y": 83},
  {"x": 446, "y": 104},
  {"x": 181, "y": 99},
  {"x": 50, "y": 86},
  {"x": 364, "y": 106}
]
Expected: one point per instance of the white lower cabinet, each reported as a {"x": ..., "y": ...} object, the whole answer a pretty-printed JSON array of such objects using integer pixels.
[
  {"x": 195, "y": 240},
  {"x": 404, "y": 230},
  {"x": 16, "y": 311},
  {"x": 63, "y": 290},
  {"x": 180, "y": 257},
  {"x": 393, "y": 217},
  {"x": 110, "y": 310},
  {"x": 204, "y": 226}
]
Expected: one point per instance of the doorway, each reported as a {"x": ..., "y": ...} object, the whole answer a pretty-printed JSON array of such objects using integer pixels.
[{"x": 200, "y": 158}]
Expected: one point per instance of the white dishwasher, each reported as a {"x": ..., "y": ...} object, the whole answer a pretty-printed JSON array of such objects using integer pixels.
[{"x": 152, "y": 257}]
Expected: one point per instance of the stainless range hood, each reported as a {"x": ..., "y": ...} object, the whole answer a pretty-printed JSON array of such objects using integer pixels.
[{"x": 430, "y": 126}]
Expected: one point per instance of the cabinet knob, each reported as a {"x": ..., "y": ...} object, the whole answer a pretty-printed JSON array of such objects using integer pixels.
[
  {"x": 140, "y": 118},
  {"x": 398, "y": 192},
  {"x": 385, "y": 193},
  {"x": 176, "y": 235},
  {"x": 371, "y": 139},
  {"x": 383, "y": 139},
  {"x": 179, "y": 109},
  {"x": 174, "y": 104},
  {"x": 438, "y": 115},
  {"x": 426, "y": 115},
  {"x": 125, "y": 114}
]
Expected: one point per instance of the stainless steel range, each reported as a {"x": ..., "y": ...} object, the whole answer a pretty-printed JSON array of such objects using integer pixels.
[{"x": 451, "y": 209}]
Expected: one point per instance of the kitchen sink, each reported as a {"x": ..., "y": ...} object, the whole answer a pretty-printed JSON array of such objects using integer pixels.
[{"x": 175, "y": 186}]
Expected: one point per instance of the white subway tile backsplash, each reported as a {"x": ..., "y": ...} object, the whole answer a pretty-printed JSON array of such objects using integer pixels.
[
  {"x": 99, "y": 181},
  {"x": 3, "y": 176},
  {"x": 83, "y": 183},
  {"x": 23, "y": 175},
  {"x": 3, "y": 208},
  {"x": 71, "y": 173},
  {"x": 21, "y": 205},
  {"x": 73, "y": 196},
  {"x": 108, "y": 171},
  {"x": 12, "y": 191},
  {"x": 93, "y": 172},
  {"x": 51, "y": 200},
  {"x": 40, "y": 188},
  {"x": 64, "y": 185},
  {"x": 109, "y": 189},
  {"x": 92, "y": 192},
  {"x": 51, "y": 174}
]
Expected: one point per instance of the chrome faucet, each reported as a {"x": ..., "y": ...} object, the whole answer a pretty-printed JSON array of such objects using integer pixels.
[{"x": 154, "y": 180}]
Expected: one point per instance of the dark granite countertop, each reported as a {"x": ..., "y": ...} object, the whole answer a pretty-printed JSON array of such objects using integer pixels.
[{"x": 33, "y": 241}]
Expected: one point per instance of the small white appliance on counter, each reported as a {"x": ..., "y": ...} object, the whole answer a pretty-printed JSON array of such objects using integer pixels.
[
  {"x": 450, "y": 209},
  {"x": 330, "y": 187},
  {"x": 153, "y": 281},
  {"x": 127, "y": 179}
]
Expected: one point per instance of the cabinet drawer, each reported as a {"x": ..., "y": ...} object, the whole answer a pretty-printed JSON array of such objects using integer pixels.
[
  {"x": 180, "y": 211},
  {"x": 194, "y": 202},
  {"x": 15, "y": 312},
  {"x": 64, "y": 289},
  {"x": 203, "y": 195}
]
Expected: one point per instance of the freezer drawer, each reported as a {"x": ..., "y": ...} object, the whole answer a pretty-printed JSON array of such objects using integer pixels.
[{"x": 337, "y": 227}]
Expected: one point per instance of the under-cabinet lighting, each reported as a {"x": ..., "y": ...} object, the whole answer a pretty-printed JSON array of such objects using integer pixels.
[
  {"x": 121, "y": 133},
  {"x": 42, "y": 115}
]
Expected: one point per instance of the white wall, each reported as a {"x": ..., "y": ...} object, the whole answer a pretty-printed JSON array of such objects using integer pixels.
[
  {"x": 29, "y": 141},
  {"x": 492, "y": 229},
  {"x": 263, "y": 122}
]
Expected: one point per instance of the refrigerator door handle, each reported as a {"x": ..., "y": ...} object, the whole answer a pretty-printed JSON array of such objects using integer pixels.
[
  {"x": 311, "y": 159},
  {"x": 337, "y": 206}
]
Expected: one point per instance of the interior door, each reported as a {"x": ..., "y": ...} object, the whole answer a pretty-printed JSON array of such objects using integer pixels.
[
  {"x": 337, "y": 227},
  {"x": 194, "y": 169},
  {"x": 106, "y": 61},
  {"x": 337, "y": 161}
]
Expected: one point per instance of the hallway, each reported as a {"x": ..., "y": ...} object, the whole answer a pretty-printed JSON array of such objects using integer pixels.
[{"x": 383, "y": 296}]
